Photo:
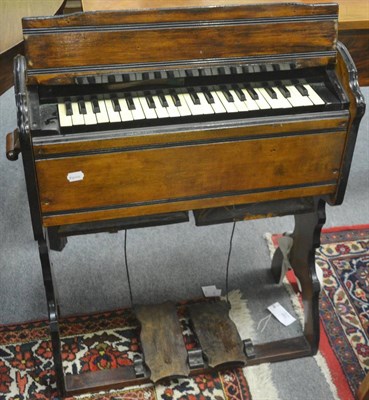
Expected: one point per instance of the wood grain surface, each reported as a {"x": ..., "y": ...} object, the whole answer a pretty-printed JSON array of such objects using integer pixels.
[
  {"x": 162, "y": 341},
  {"x": 354, "y": 14},
  {"x": 180, "y": 35},
  {"x": 353, "y": 20},
  {"x": 198, "y": 171},
  {"x": 217, "y": 334}
]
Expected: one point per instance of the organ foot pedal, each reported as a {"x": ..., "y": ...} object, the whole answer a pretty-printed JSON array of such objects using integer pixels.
[{"x": 218, "y": 343}]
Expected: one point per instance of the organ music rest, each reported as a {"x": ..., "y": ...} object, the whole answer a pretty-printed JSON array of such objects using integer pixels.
[{"x": 134, "y": 118}]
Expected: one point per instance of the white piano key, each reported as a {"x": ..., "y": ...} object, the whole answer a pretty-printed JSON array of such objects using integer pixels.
[
  {"x": 138, "y": 112},
  {"x": 183, "y": 108},
  {"x": 240, "y": 105},
  {"x": 114, "y": 116},
  {"x": 149, "y": 112},
  {"x": 297, "y": 99},
  {"x": 217, "y": 106},
  {"x": 313, "y": 96},
  {"x": 283, "y": 101},
  {"x": 125, "y": 112},
  {"x": 206, "y": 107},
  {"x": 102, "y": 117},
  {"x": 64, "y": 119},
  {"x": 274, "y": 103},
  {"x": 77, "y": 118},
  {"x": 173, "y": 111},
  {"x": 261, "y": 102},
  {"x": 90, "y": 117},
  {"x": 195, "y": 109},
  {"x": 161, "y": 111},
  {"x": 250, "y": 103},
  {"x": 228, "y": 105}
]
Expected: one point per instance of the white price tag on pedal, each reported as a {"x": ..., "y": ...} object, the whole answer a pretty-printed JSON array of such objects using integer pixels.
[
  {"x": 211, "y": 291},
  {"x": 281, "y": 314}
]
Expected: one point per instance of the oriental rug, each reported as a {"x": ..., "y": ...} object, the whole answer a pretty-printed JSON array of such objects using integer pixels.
[
  {"x": 343, "y": 258},
  {"x": 93, "y": 343}
]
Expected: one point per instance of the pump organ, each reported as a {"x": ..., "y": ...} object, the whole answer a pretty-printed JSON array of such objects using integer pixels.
[{"x": 135, "y": 118}]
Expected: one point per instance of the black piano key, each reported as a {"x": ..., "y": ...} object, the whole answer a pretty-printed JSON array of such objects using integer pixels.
[
  {"x": 189, "y": 72},
  {"x": 239, "y": 92},
  {"x": 245, "y": 69},
  {"x": 91, "y": 80},
  {"x": 194, "y": 97},
  {"x": 175, "y": 98},
  {"x": 162, "y": 99},
  {"x": 251, "y": 92},
  {"x": 276, "y": 67},
  {"x": 130, "y": 103},
  {"x": 221, "y": 71},
  {"x": 115, "y": 103},
  {"x": 263, "y": 68},
  {"x": 270, "y": 91},
  {"x": 282, "y": 88},
  {"x": 82, "y": 106},
  {"x": 227, "y": 70},
  {"x": 68, "y": 107},
  {"x": 111, "y": 78},
  {"x": 227, "y": 94},
  {"x": 302, "y": 89},
  {"x": 150, "y": 101},
  {"x": 170, "y": 74},
  {"x": 233, "y": 70},
  {"x": 126, "y": 78},
  {"x": 145, "y": 76},
  {"x": 208, "y": 96},
  {"x": 157, "y": 75},
  {"x": 95, "y": 105}
]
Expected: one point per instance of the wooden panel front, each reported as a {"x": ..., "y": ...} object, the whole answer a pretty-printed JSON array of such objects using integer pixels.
[
  {"x": 71, "y": 49},
  {"x": 184, "y": 173}
]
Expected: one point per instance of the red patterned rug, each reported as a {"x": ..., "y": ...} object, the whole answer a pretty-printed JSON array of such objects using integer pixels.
[
  {"x": 93, "y": 343},
  {"x": 344, "y": 305}
]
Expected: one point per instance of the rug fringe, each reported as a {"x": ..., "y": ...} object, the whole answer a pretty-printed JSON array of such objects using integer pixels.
[
  {"x": 268, "y": 238},
  {"x": 259, "y": 377}
]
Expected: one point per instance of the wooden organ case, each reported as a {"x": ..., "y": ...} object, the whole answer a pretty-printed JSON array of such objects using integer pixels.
[{"x": 135, "y": 118}]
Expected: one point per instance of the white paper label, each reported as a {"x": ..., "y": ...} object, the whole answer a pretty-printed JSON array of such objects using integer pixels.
[
  {"x": 75, "y": 176},
  {"x": 281, "y": 314},
  {"x": 211, "y": 291}
]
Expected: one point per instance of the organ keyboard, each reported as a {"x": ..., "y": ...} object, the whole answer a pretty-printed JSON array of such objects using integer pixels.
[
  {"x": 190, "y": 95},
  {"x": 137, "y": 117}
]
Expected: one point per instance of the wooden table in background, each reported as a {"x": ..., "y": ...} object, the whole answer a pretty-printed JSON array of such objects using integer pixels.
[
  {"x": 353, "y": 26},
  {"x": 11, "y": 39}
]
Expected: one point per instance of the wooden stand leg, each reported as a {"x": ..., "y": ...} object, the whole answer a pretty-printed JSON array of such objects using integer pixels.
[
  {"x": 306, "y": 239},
  {"x": 53, "y": 310}
]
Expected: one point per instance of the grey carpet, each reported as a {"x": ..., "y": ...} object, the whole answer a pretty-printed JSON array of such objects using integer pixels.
[{"x": 171, "y": 262}]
